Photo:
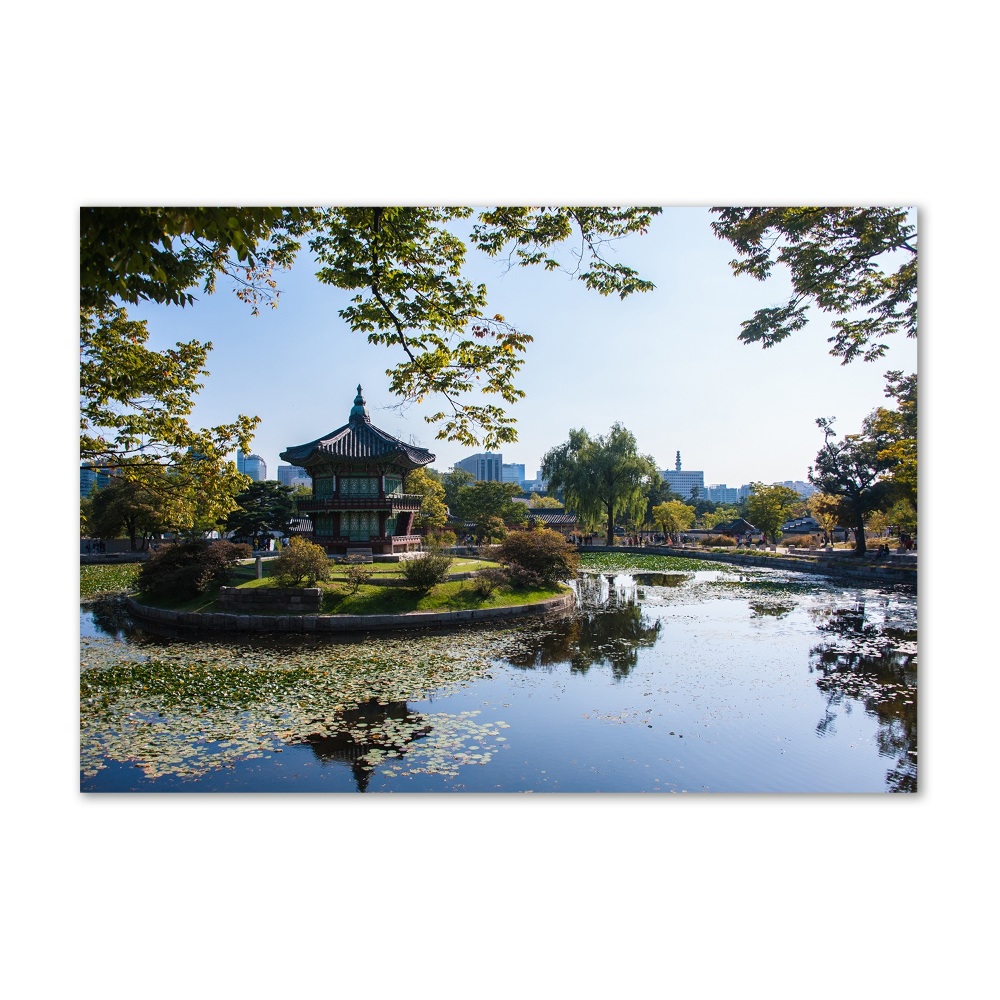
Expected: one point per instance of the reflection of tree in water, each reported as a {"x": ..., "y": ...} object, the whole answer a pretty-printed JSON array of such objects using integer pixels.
[
  {"x": 765, "y": 610},
  {"x": 111, "y": 615},
  {"x": 660, "y": 579},
  {"x": 607, "y": 627},
  {"x": 863, "y": 662},
  {"x": 388, "y": 729}
]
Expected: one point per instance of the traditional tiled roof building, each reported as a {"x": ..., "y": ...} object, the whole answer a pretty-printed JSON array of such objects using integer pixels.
[{"x": 359, "y": 497}]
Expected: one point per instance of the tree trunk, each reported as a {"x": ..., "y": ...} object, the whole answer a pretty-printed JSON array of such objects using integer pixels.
[
  {"x": 859, "y": 538},
  {"x": 611, "y": 525}
]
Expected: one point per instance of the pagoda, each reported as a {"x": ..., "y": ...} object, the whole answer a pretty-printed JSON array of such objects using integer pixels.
[{"x": 359, "y": 498}]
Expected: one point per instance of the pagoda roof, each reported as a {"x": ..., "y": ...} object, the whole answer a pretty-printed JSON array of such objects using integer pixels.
[{"x": 358, "y": 440}]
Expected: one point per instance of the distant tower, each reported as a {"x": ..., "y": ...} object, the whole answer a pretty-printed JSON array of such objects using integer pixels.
[{"x": 677, "y": 464}]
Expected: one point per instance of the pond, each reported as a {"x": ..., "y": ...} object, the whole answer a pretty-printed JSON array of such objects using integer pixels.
[{"x": 668, "y": 676}]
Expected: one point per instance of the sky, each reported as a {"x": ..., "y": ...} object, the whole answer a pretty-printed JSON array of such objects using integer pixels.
[{"x": 666, "y": 363}]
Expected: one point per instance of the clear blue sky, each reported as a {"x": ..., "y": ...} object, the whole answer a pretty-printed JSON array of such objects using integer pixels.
[{"x": 667, "y": 364}]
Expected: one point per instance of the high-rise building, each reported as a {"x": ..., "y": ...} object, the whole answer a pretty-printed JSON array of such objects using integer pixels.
[
  {"x": 485, "y": 467},
  {"x": 683, "y": 482},
  {"x": 251, "y": 465},
  {"x": 89, "y": 477},
  {"x": 513, "y": 472},
  {"x": 721, "y": 493},
  {"x": 804, "y": 490},
  {"x": 293, "y": 475}
]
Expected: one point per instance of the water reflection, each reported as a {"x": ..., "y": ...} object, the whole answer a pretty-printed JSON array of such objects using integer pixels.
[
  {"x": 661, "y": 579},
  {"x": 419, "y": 709},
  {"x": 769, "y": 610},
  {"x": 870, "y": 657},
  {"x": 609, "y": 628},
  {"x": 372, "y": 732}
]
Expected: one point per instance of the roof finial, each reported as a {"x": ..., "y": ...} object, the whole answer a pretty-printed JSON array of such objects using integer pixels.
[{"x": 359, "y": 411}]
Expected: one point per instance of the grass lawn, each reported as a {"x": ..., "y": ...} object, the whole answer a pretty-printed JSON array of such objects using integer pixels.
[
  {"x": 370, "y": 599},
  {"x": 248, "y": 571},
  {"x": 456, "y": 595}
]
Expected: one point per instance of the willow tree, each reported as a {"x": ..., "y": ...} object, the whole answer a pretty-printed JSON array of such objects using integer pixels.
[{"x": 603, "y": 477}]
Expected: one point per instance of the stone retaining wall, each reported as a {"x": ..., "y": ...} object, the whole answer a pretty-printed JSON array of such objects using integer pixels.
[
  {"x": 246, "y": 600},
  {"x": 245, "y": 622}
]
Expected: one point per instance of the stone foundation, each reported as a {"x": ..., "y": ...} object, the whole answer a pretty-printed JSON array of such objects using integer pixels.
[
  {"x": 247, "y": 600},
  {"x": 244, "y": 622}
]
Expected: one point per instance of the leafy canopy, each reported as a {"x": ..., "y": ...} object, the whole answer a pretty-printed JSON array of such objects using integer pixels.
[
  {"x": 405, "y": 264},
  {"x": 768, "y": 507},
  {"x": 673, "y": 516},
  {"x": 433, "y": 512},
  {"x": 491, "y": 507},
  {"x": 134, "y": 401},
  {"x": 260, "y": 509},
  {"x": 845, "y": 261},
  {"x": 875, "y": 469}
]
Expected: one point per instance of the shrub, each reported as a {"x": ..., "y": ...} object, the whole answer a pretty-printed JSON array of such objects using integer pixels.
[
  {"x": 189, "y": 568},
  {"x": 523, "y": 578},
  {"x": 541, "y": 555},
  {"x": 487, "y": 580},
  {"x": 717, "y": 541},
  {"x": 357, "y": 575},
  {"x": 426, "y": 570},
  {"x": 301, "y": 562}
]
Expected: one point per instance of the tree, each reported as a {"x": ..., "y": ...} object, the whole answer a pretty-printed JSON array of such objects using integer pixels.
[
  {"x": 262, "y": 508},
  {"x": 876, "y": 469},
  {"x": 895, "y": 432},
  {"x": 433, "y": 512},
  {"x": 86, "y": 506},
  {"x": 125, "y": 507},
  {"x": 404, "y": 264},
  {"x": 134, "y": 401},
  {"x": 878, "y": 522},
  {"x": 152, "y": 499},
  {"x": 659, "y": 492},
  {"x": 851, "y": 470},
  {"x": 491, "y": 507},
  {"x": 453, "y": 482},
  {"x": 768, "y": 507},
  {"x": 841, "y": 260},
  {"x": 603, "y": 475},
  {"x": 539, "y": 502},
  {"x": 673, "y": 516},
  {"x": 826, "y": 510},
  {"x": 158, "y": 254}
]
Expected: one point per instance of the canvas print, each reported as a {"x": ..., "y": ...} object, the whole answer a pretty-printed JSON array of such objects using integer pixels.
[{"x": 498, "y": 499}]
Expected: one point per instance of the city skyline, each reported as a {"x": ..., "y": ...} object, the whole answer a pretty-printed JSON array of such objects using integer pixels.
[{"x": 666, "y": 364}]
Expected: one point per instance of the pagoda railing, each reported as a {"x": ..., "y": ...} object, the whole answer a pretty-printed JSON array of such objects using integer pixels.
[{"x": 391, "y": 501}]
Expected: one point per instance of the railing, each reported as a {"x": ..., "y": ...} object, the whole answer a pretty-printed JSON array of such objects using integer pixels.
[{"x": 391, "y": 501}]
